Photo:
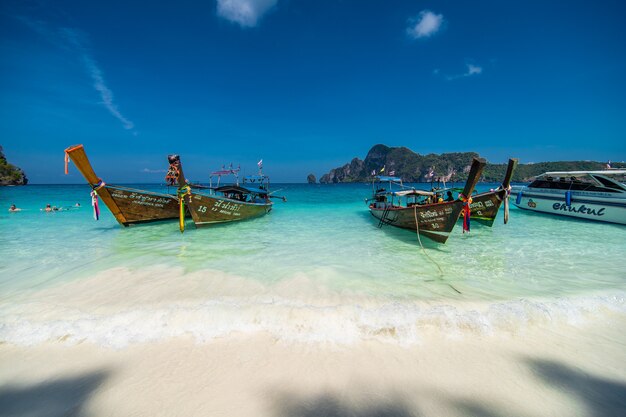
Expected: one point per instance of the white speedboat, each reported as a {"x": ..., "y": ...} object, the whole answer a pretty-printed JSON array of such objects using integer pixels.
[{"x": 591, "y": 195}]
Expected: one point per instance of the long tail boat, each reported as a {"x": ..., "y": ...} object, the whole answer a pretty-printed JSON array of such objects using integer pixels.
[
  {"x": 411, "y": 209},
  {"x": 128, "y": 205},
  {"x": 485, "y": 206},
  {"x": 227, "y": 203}
]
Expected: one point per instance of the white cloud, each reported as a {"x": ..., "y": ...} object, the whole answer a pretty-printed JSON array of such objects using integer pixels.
[
  {"x": 77, "y": 42},
  {"x": 245, "y": 12},
  {"x": 105, "y": 92},
  {"x": 426, "y": 25},
  {"x": 471, "y": 70},
  {"x": 153, "y": 171}
]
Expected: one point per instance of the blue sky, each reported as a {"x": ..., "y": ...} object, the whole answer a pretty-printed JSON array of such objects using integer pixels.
[{"x": 306, "y": 85}]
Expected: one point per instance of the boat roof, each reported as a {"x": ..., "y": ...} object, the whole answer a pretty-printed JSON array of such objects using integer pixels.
[
  {"x": 225, "y": 172},
  {"x": 239, "y": 189},
  {"x": 405, "y": 193},
  {"x": 387, "y": 178},
  {"x": 582, "y": 173}
]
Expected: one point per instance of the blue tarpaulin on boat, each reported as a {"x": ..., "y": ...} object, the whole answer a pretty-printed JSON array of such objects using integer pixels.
[{"x": 386, "y": 178}]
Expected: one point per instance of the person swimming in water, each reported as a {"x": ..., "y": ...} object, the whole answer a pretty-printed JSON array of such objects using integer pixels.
[{"x": 13, "y": 208}]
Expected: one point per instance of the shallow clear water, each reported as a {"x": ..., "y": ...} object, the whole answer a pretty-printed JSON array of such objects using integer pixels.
[{"x": 321, "y": 249}]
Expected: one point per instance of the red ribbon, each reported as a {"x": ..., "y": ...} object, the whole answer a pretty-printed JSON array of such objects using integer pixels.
[{"x": 467, "y": 212}]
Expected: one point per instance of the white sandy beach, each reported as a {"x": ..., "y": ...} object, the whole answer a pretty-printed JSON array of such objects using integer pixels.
[{"x": 578, "y": 372}]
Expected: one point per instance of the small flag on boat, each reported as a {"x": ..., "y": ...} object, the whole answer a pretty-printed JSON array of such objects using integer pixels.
[
  {"x": 260, "y": 163},
  {"x": 373, "y": 172},
  {"x": 383, "y": 169},
  {"x": 608, "y": 165},
  {"x": 392, "y": 173},
  {"x": 431, "y": 173}
]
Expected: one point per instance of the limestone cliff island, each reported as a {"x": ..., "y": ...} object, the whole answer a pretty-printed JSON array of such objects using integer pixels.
[{"x": 413, "y": 167}]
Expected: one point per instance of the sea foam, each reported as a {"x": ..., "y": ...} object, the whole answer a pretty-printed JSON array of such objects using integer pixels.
[{"x": 292, "y": 311}]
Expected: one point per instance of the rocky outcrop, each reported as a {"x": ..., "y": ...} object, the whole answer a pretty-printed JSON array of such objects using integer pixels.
[
  {"x": 404, "y": 163},
  {"x": 346, "y": 173},
  {"x": 311, "y": 179},
  {"x": 10, "y": 174}
]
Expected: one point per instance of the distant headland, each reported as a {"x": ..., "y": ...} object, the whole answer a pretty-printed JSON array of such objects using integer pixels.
[
  {"x": 10, "y": 174},
  {"x": 413, "y": 167}
]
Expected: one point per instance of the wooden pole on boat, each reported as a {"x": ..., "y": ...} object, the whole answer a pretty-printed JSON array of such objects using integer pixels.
[
  {"x": 506, "y": 185},
  {"x": 509, "y": 172},
  {"x": 77, "y": 154},
  {"x": 478, "y": 164}
]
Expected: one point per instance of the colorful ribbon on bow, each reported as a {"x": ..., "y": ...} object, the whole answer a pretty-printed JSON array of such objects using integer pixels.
[
  {"x": 172, "y": 174},
  {"x": 467, "y": 212},
  {"x": 94, "y": 203},
  {"x": 94, "y": 198},
  {"x": 99, "y": 185}
]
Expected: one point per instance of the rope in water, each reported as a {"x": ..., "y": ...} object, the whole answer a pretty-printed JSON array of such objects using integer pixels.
[{"x": 417, "y": 231}]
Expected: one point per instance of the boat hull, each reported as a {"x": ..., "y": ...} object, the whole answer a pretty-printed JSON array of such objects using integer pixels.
[
  {"x": 485, "y": 206},
  {"x": 582, "y": 205},
  {"x": 138, "y": 206},
  {"x": 206, "y": 210},
  {"x": 128, "y": 206},
  {"x": 434, "y": 221}
]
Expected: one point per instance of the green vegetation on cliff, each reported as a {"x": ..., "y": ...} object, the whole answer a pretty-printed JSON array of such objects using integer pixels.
[
  {"x": 10, "y": 174},
  {"x": 413, "y": 167}
]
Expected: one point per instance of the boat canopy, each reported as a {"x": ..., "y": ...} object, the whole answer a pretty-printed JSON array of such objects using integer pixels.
[
  {"x": 224, "y": 172},
  {"x": 591, "y": 181},
  {"x": 583, "y": 173},
  {"x": 238, "y": 189},
  {"x": 386, "y": 178},
  {"x": 406, "y": 193}
]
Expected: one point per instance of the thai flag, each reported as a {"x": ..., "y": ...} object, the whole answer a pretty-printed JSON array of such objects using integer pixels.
[
  {"x": 260, "y": 163},
  {"x": 608, "y": 165},
  {"x": 392, "y": 173},
  {"x": 373, "y": 172}
]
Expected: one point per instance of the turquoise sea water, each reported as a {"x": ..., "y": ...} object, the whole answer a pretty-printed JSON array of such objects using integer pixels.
[{"x": 320, "y": 256}]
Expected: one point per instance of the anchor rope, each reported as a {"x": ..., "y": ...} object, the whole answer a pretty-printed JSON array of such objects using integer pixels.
[{"x": 417, "y": 230}]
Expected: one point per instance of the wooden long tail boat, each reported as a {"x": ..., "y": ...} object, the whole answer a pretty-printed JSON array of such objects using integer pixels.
[
  {"x": 228, "y": 203},
  {"x": 485, "y": 206},
  {"x": 128, "y": 205},
  {"x": 433, "y": 220}
]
